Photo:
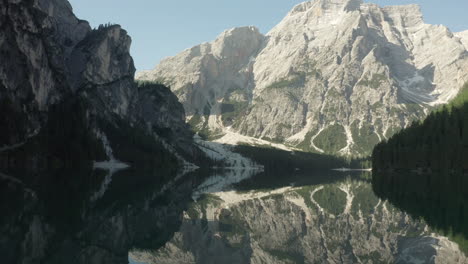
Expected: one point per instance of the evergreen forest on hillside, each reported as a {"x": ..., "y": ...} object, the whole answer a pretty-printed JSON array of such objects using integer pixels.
[{"x": 439, "y": 143}]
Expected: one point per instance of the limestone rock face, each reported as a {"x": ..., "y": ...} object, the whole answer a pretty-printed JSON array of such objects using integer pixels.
[
  {"x": 463, "y": 37},
  {"x": 334, "y": 76},
  {"x": 35, "y": 43},
  {"x": 102, "y": 60},
  {"x": 55, "y": 67}
]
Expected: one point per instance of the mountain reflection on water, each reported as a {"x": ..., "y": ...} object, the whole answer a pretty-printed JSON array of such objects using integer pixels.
[
  {"x": 239, "y": 216},
  {"x": 82, "y": 216},
  {"x": 439, "y": 198}
]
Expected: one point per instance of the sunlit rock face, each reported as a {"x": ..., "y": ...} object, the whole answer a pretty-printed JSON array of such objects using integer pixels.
[
  {"x": 330, "y": 223},
  {"x": 202, "y": 75},
  {"x": 463, "y": 37},
  {"x": 334, "y": 76}
]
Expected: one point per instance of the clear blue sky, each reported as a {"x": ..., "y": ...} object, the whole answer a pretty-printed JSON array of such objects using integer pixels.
[{"x": 161, "y": 28}]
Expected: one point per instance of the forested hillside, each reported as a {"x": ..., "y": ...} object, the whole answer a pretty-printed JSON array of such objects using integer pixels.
[{"x": 439, "y": 143}]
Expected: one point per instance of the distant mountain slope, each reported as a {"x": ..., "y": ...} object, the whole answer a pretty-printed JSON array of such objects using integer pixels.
[{"x": 335, "y": 76}]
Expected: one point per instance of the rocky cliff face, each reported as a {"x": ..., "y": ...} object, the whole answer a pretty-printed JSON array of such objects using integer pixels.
[
  {"x": 34, "y": 47},
  {"x": 64, "y": 83},
  {"x": 463, "y": 37},
  {"x": 334, "y": 76},
  {"x": 327, "y": 223}
]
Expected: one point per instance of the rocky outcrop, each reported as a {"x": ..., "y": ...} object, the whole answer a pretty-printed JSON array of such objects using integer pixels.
[
  {"x": 65, "y": 84},
  {"x": 463, "y": 37},
  {"x": 335, "y": 76},
  {"x": 101, "y": 63}
]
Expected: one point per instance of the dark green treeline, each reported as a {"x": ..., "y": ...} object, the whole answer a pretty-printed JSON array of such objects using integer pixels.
[{"x": 439, "y": 143}]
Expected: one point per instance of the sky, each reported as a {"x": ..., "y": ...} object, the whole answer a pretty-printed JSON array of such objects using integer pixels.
[{"x": 162, "y": 28}]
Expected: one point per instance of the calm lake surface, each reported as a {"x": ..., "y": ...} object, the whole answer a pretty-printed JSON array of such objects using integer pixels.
[{"x": 241, "y": 216}]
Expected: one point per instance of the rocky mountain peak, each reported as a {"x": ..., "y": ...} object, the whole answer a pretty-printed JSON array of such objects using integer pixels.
[
  {"x": 334, "y": 76},
  {"x": 230, "y": 57},
  {"x": 108, "y": 55},
  {"x": 338, "y": 5},
  {"x": 327, "y": 5},
  {"x": 237, "y": 42},
  {"x": 405, "y": 15}
]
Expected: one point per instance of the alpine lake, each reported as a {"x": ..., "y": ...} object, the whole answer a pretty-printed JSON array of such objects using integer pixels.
[{"x": 232, "y": 216}]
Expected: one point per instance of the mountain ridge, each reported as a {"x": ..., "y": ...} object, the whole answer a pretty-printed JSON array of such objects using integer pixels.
[{"x": 324, "y": 77}]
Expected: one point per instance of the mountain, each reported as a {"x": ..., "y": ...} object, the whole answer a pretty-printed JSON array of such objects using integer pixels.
[
  {"x": 334, "y": 76},
  {"x": 68, "y": 95}
]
